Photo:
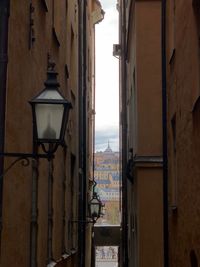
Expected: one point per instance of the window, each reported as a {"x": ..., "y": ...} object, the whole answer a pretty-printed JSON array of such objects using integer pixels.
[
  {"x": 46, "y": 4},
  {"x": 193, "y": 259},
  {"x": 58, "y": 20},
  {"x": 196, "y": 5},
  {"x": 171, "y": 29}
]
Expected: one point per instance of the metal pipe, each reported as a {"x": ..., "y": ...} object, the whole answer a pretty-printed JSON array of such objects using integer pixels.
[
  {"x": 64, "y": 192},
  {"x": 34, "y": 215},
  {"x": 80, "y": 134},
  {"x": 93, "y": 111},
  {"x": 164, "y": 124},
  {"x": 4, "y": 20},
  {"x": 50, "y": 213},
  {"x": 82, "y": 131},
  {"x": 93, "y": 249},
  {"x": 124, "y": 136},
  {"x": 84, "y": 200}
]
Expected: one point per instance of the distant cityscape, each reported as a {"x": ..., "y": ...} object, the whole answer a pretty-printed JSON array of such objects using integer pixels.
[
  {"x": 107, "y": 177},
  {"x": 106, "y": 256}
]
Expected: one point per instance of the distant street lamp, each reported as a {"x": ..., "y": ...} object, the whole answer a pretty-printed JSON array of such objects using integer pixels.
[{"x": 95, "y": 207}]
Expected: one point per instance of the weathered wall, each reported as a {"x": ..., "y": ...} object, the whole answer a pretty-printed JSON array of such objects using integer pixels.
[
  {"x": 144, "y": 111},
  {"x": 183, "y": 131},
  {"x": 148, "y": 77},
  {"x": 56, "y": 33},
  {"x": 148, "y": 203}
]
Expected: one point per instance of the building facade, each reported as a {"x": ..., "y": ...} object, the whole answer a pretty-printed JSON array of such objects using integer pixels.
[
  {"x": 141, "y": 133},
  {"x": 40, "y": 204},
  {"x": 173, "y": 181},
  {"x": 107, "y": 178},
  {"x": 182, "y": 61}
]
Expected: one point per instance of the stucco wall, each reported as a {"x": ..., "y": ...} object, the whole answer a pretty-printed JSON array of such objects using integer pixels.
[
  {"x": 144, "y": 109},
  {"x": 183, "y": 133},
  {"x": 148, "y": 77},
  {"x": 149, "y": 223},
  {"x": 53, "y": 30}
]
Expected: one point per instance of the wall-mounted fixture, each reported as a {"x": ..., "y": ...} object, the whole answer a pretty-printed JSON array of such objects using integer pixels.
[
  {"x": 95, "y": 207},
  {"x": 50, "y": 112},
  {"x": 116, "y": 50}
]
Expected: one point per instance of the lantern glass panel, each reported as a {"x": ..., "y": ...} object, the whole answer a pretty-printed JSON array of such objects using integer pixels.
[
  {"x": 49, "y": 119},
  {"x": 95, "y": 206},
  {"x": 48, "y": 94}
]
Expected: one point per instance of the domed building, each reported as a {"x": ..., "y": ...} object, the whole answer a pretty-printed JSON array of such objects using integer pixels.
[
  {"x": 107, "y": 177},
  {"x": 107, "y": 159},
  {"x": 108, "y": 149}
]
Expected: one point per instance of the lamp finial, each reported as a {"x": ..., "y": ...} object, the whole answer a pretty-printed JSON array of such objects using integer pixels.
[{"x": 50, "y": 64}]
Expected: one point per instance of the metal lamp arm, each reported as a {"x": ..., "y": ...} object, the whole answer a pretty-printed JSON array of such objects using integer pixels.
[{"x": 24, "y": 158}]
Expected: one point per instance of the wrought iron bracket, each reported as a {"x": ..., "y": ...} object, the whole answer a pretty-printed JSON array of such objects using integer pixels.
[{"x": 24, "y": 158}]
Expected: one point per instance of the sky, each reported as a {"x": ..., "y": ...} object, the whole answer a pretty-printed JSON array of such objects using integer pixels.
[{"x": 107, "y": 80}]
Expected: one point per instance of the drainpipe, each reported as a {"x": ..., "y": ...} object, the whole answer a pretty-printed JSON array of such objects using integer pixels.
[
  {"x": 4, "y": 19},
  {"x": 84, "y": 189},
  {"x": 165, "y": 152},
  {"x": 93, "y": 251},
  {"x": 50, "y": 214},
  {"x": 82, "y": 132},
  {"x": 34, "y": 213},
  {"x": 124, "y": 135}
]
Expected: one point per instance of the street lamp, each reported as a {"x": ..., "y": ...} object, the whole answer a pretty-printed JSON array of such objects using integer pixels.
[
  {"x": 95, "y": 207},
  {"x": 50, "y": 112}
]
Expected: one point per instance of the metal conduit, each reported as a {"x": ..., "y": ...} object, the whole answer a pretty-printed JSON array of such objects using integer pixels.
[{"x": 4, "y": 20}]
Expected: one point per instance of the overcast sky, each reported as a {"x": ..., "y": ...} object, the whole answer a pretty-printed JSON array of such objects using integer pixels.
[{"x": 107, "y": 79}]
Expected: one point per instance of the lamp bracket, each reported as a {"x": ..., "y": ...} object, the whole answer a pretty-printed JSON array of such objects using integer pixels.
[
  {"x": 24, "y": 158},
  {"x": 25, "y": 155},
  {"x": 51, "y": 148}
]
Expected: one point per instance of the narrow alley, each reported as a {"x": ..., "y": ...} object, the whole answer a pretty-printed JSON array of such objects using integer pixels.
[{"x": 99, "y": 133}]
